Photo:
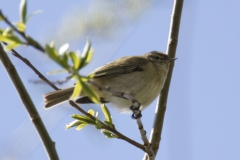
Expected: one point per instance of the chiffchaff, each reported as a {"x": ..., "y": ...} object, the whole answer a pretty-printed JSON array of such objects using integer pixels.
[{"x": 142, "y": 77}]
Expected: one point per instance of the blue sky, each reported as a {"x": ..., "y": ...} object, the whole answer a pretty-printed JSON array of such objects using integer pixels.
[{"x": 202, "y": 119}]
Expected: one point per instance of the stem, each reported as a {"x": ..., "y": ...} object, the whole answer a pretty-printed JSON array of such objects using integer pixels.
[
  {"x": 29, "y": 64},
  {"x": 27, "y": 38},
  {"x": 31, "y": 109},
  {"x": 155, "y": 136},
  {"x": 113, "y": 130}
]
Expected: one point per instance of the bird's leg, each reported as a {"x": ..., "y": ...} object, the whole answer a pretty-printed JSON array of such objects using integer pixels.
[{"x": 135, "y": 104}]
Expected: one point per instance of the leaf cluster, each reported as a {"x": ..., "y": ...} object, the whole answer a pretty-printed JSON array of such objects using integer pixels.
[{"x": 92, "y": 119}]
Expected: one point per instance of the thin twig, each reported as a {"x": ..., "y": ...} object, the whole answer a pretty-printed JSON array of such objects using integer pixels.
[
  {"x": 27, "y": 38},
  {"x": 31, "y": 109},
  {"x": 113, "y": 130},
  {"x": 60, "y": 82},
  {"x": 29, "y": 64},
  {"x": 147, "y": 145},
  {"x": 162, "y": 101}
]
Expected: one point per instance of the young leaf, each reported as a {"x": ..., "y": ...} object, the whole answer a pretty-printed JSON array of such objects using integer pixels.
[
  {"x": 21, "y": 26},
  {"x": 109, "y": 134},
  {"x": 57, "y": 71},
  {"x": 90, "y": 93},
  {"x": 81, "y": 126},
  {"x": 1, "y": 18},
  {"x": 106, "y": 113},
  {"x": 10, "y": 39},
  {"x": 63, "y": 49},
  {"x": 73, "y": 124},
  {"x": 32, "y": 14},
  {"x": 64, "y": 61},
  {"x": 8, "y": 36},
  {"x": 98, "y": 125},
  {"x": 23, "y": 10},
  {"x": 83, "y": 119},
  {"x": 12, "y": 46},
  {"x": 75, "y": 59},
  {"x": 77, "y": 90},
  {"x": 86, "y": 55},
  {"x": 91, "y": 112},
  {"x": 1, "y": 31},
  {"x": 109, "y": 124},
  {"x": 52, "y": 53}
]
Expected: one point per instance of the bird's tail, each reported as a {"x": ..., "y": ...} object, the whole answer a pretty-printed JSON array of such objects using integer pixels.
[{"x": 54, "y": 98}]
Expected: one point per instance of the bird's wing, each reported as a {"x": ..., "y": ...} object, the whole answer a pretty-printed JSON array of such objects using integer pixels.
[{"x": 120, "y": 66}]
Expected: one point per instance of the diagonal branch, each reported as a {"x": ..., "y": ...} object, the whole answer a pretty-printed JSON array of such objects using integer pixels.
[
  {"x": 60, "y": 82},
  {"x": 27, "y": 38},
  {"x": 113, "y": 130},
  {"x": 29, "y": 64},
  {"x": 162, "y": 101},
  {"x": 31, "y": 109}
]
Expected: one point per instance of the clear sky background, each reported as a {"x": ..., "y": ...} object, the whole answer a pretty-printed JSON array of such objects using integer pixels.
[{"x": 202, "y": 120}]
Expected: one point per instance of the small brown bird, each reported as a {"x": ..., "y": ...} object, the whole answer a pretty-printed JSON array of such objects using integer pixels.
[{"x": 142, "y": 77}]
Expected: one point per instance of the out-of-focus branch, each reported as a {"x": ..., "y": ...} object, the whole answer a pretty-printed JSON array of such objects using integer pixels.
[
  {"x": 31, "y": 109},
  {"x": 60, "y": 82},
  {"x": 162, "y": 101}
]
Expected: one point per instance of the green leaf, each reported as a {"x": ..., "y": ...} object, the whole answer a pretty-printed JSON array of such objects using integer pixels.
[
  {"x": 75, "y": 59},
  {"x": 6, "y": 39},
  {"x": 52, "y": 53},
  {"x": 83, "y": 119},
  {"x": 7, "y": 31},
  {"x": 90, "y": 93},
  {"x": 91, "y": 112},
  {"x": 81, "y": 126},
  {"x": 10, "y": 39},
  {"x": 86, "y": 55},
  {"x": 73, "y": 124},
  {"x": 12, "y": 46},
  {"x": 32, "y": 14},
  {"x": 98, "y": 124},
  {"x": 85, "y": 79},
  {"x": 57, "y": 71},
  {"x": 109, "y": 134},
  {"x": 109, "y": 124},
  {"x": 1, "y": 18},
  {"x": 1, "y": 31},
  {"x": 21, "y": 26},
  {"x": 23, "y": 10},
  {"x": 64, "y": 61},
  {"x": 63, "y": 49},
  {"x": 77, "y": 90},
  {"x": 8, "y": 36},
  {"x": 106, "y": 113}
]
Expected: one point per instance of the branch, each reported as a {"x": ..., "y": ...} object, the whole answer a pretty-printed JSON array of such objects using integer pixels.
[
  {"x": 31, "y": 109},
  {"x": 29, "y": 40},
  {"x": 60, "y": 82},
  {"x": 29, "y": 64},
  {"x": 113, "y": 130},
  {"x": 162, "y": 101}
]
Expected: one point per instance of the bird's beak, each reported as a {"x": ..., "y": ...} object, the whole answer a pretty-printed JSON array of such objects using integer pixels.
[{"x": 171, "y": 60}]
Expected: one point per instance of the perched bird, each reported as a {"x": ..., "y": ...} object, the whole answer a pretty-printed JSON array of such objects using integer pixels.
[{"x": 142, "y": 77}]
